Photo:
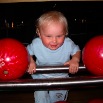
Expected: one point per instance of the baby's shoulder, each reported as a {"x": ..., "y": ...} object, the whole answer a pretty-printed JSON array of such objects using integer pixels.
[
  {"x": 68, "y": 40},
  {"x": 36, "y": 41}
]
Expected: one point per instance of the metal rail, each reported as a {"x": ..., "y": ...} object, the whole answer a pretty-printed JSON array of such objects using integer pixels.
[
  {"x": 56, "y": 83},
  {"x": 50, "y": 69},
  {"x": 53, "y": 83}
]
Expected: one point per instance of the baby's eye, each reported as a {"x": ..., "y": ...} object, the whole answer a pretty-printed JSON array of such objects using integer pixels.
[
  {"x": 48, "y": 36},
  {"x": 59, "y": 36}
]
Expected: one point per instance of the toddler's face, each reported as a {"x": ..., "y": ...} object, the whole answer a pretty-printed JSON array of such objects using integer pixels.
[{"x": 52, "y": 34}]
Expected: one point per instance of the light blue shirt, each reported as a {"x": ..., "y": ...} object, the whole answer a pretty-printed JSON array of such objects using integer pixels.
[{"x": 45, "y": 56}]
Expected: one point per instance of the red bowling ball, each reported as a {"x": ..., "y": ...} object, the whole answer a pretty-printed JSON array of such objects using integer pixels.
[
  {"x": 96, "y": 101},
  {"x": 13, "y": 59},
  {"x": 92, "y": 55}
]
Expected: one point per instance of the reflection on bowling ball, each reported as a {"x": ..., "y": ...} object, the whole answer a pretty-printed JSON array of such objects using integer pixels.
[
  {"x": 62, "y": 102},
  {"x": 13, "y": 59},
  {"x": 96, "y": 101},
  {"x": 92, "y": 55}
]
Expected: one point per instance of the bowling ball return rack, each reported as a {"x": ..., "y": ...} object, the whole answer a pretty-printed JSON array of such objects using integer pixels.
[{"x": 82, "y": 79}]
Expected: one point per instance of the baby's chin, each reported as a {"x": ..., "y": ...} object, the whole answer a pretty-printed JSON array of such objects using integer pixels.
[{"x": 53, "y": 48}]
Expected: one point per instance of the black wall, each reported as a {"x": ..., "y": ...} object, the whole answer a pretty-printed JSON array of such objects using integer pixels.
[{"x": 84, "y": 18}]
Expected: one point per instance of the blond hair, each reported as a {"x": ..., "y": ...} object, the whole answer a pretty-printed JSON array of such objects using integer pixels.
[{"x": 54, "y": 16}]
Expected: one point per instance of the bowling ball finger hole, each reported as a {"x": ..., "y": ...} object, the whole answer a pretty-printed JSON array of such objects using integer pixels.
[{"x": 5, "y": 72}]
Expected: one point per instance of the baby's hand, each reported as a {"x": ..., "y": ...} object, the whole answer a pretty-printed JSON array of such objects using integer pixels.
[
  {"x": 31, "y": 68},
  {"x": 73, "y": 66}
]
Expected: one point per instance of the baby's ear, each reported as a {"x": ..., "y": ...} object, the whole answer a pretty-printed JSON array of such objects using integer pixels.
[
  {"x": 66, "y": 34},
  {"x": 37, "y": 32}
]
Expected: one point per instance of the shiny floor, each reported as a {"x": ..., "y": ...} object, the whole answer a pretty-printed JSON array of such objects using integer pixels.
[{"x": 81, "y": 95}]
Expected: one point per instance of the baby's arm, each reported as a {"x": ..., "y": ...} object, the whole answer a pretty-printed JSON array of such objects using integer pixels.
[
  {"x": 32, "y": 66},
  {"x": 74, "y": 63}
]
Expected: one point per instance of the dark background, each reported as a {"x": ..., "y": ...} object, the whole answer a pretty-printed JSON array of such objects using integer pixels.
[{"x": 85, "y": 19}]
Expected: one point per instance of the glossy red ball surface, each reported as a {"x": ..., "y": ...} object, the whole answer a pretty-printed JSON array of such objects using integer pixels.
[
  {"x": 92, "y": 55},
  {"x": 96, "y": 101},
  {"x": 13, "y": 59}
]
